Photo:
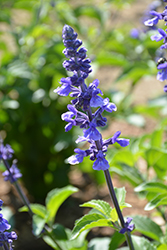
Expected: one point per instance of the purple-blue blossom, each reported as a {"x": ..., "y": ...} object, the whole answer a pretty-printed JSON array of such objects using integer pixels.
[
  {"x": 127, "y": 226},
  {"x": 6, "y": 152},
  {"x": 100, "y": 163},
  {"x": 13, "y": 173},
  {"x": 87, "y": 104},
  {"x": 153, "y": 21},
  {"x": 6, "y": 238},
  {"x": 162, "y": 74}
]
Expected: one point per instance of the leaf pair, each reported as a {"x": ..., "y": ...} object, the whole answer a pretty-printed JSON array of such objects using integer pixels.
[{"x": 101, "y": 215}]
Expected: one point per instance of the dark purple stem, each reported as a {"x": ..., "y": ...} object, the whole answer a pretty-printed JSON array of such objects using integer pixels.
[{"x": 19, "y": 190}]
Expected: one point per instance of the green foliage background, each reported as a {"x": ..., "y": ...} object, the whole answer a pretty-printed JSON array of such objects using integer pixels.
[{"x": 31, "y": 67}]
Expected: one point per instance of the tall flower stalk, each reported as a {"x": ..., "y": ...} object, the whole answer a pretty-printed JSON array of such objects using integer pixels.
[{"x": 85, "y": 99}]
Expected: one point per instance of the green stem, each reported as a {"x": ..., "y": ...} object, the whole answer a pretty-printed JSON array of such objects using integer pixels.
[{"x": 117, "y": 207}]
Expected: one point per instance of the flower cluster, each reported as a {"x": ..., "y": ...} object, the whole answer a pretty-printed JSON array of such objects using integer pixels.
[
  {"x": 12, "y": 173},
  {"x": 6, "y": 152},
  {"x": 6, "y": 238},
  {"x": 161, "y": 35},
  {"x": 127, "y": 226},
  {"x": 84, "y": 99}
]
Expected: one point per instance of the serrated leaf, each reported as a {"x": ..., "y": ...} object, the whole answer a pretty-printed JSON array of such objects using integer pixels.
[
  {"x": 159, "y": 200},
  {"x": 147, "y": 227},
  {"x": 37, "y": 209},
  {"x": 100, "y": 205},
  {"x": 38, "y": 224},
  {"x": 89, "y": 221},
  {"x": 155, "y": 187},
  {"x": 55, "y": 198}
]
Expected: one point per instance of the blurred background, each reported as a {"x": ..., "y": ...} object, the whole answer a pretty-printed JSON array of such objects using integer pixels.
[{"x": 123, "y": 59}]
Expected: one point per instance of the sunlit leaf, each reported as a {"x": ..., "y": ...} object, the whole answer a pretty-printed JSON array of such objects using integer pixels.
[{"x": 55, "y": 198}]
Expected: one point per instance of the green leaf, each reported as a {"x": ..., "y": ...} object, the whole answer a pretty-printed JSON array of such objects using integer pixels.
[
  {"x": 36, "y": 208},
  {"x": 106, "y": 58},
  {"x": 121, "y": 194},
  {"x": 162, "y": 247},
  {"x": 131, "y": 174},
  {"x": 141, "y": 243},
  {"x": 58, "y": 232},
  {"x": 90, "y": 221},
  {"x": 114, "y": 215},
  {"x": 156, "y": 138},
  {"x": 101, "y": 206},
  {"x": 99, "y": 244},
  {"x": 159, "y": 200},
  {"x": 62, "y": 238},
  {"x": 38, "y": 224},
  {"x": 116, "y": 240},
  {"x": 90, "y": 11},
  {"x": 50, "y": 242},
  {"x": 157, "y": 158},
  {"x": 55, "y": 198},
  {"x": 123, "y": 156},
  {"x": 155, "y": 187},
  {"x": 147, "y": 227}
]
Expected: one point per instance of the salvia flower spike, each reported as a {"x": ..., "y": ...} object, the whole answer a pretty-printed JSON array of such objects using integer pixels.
[{"x": 85, "y": 97}]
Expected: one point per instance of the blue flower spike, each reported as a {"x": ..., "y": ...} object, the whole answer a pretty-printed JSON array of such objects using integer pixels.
[{"x": 85, "y": 99}]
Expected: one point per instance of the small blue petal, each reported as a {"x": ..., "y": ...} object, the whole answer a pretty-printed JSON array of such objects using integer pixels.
[{"x": 123, "y": 142}]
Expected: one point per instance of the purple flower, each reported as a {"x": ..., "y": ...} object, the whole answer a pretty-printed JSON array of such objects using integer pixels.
[
  {"x": 165, "y": 88},
  {"x": 108, "y": 106},
  {"x": 4, "y": 225},
  {"x": 127, "y": 226},
  {"x": 1, "y": 203},
  {"x": 162, "y": 35},
  {"x": 6, "y": 238},
  {"x": 162, "y": 75},
  {"x": 13, "y": 173},
  {"x": 66, "y": 87},
  {"x": 134, "y": 33},
  {"x": 101, "y": 163},
  {"x": 75, "y": 159},
  {"x": 92, "y": 133},
  {"x": 153, "y": 21},
  {"x": 6, "y": 152},
  {"x": 68, "y": 117},
  {"x": 121, "y": 141}
]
